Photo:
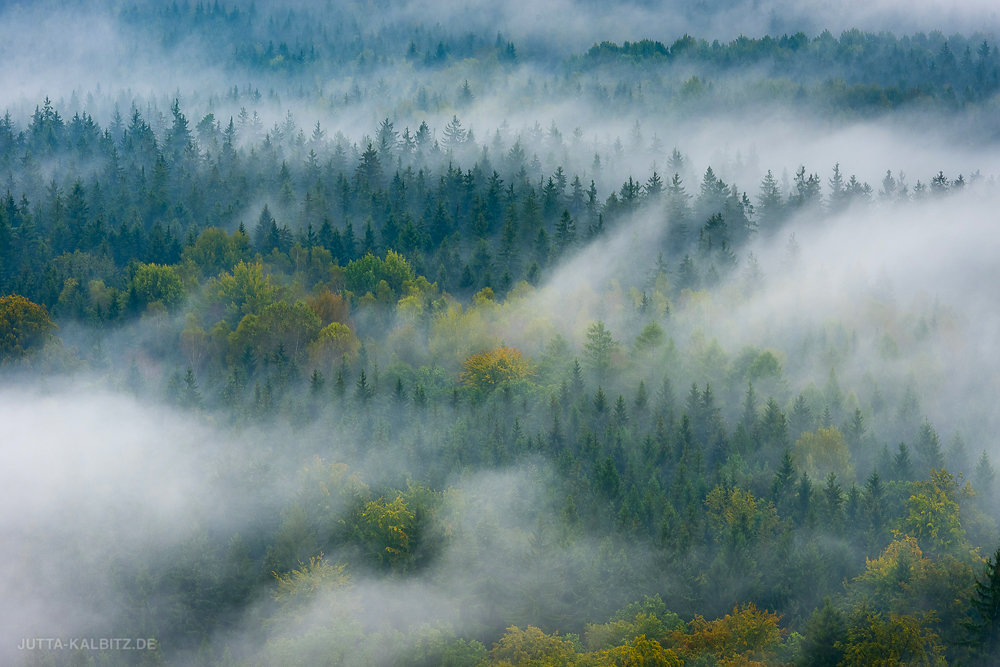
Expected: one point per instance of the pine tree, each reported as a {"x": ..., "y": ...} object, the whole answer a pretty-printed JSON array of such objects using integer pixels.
[
  {"x": 565, "y": 232},
  {"x": 620, "y": 414},
  {"x": 600, "y": 402},
  {"x": 805, "y": 509},
  {"x": 316, "y": 382},
  {"x": 902, "y": 467},
  {"x": 454, "y": 134},
  {"x": 984, "y": 479},
  {"x": 784, "y": 479},
  {"x": 600, "y": 347},
  {"x": 770, "y": 207},
  {"x": 364, "y": 390},
  {"x": 190, "y": 396},
  {"x": 833, "y": 504},
  {"x": 873, "y": 503},
  {"x": 984, "y": 624},
  {"x": 929, "y": 448},
  {"x": 641, "y": 397},
  {"x": 825, "y": 632}
]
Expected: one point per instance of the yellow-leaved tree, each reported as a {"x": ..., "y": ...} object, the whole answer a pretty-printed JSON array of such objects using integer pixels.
[
  {"x": 531, "y": 646},
  {"x": 747, "y": 633},
  {"x": 334, "y": 343},
  {"x": 636, "y": 651},
  {"x": 502, "y": 366},
  {"x": 388, "y": 529},
  {"x": 24, "y": 326}
]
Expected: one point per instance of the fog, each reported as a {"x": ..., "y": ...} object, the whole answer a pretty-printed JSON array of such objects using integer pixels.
[
  {"x": 113, "y": 481},
  {"x": 167, "y": 472}
]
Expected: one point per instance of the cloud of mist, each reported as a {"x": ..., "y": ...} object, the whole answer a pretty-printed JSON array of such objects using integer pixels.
[
  {"x": 86, "y": 49},
  {"x": 920, "y": 275},
  {"x": 114, "y": 487},
  {"x": 95, "y": 483},
  {"x": 501, "y": 558},
  {"x": 90, "y": 477},
  {"x": 910, "y": 283}
]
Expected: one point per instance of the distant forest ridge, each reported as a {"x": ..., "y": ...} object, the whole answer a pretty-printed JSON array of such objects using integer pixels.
[{"x": 856, "y": 70}]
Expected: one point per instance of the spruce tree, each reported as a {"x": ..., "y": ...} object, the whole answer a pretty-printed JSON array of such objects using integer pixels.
[
  {"x": 984, "y": 624},
  {"x": 825, "y": 631}
]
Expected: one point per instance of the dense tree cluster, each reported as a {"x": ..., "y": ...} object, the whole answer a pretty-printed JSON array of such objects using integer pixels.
[
  {"x": 784, "y": 508},
  {"x": 738, "y": 490}
]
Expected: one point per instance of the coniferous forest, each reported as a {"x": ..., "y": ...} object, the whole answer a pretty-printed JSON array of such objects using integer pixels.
[{"x": 374, "y": 333}]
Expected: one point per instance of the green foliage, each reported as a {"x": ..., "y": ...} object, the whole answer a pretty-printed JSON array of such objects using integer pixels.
[
  {"x": 364, "y": 275},
  {"x": 387, "y": 529},
  {"x": 334, "y": 343},
  {"x": 280, "y": 326},
  {"x": 874, "y": 640},
  {"x": 636, "y": 651},
  {"x": 155, "y": 285},
  {"x": 933, "y": 513},
  {"x": 399, "y": 534},
  {"x": 104, "y": 223},
  {"x": 825, "y": 633},
  {"x": 824, "y": 452},
  {"x": 245, "y": 291},
  {"x": 984, "y": 624},
  {"x": 738, "y": 519},
  {"x": 648, "y": 618},
  {"x": 747, "y": 633},
  {"x": 600, "y": 347},
  {"x": 214, "y": 251},
  {"x": 434, "y": 648},
  {"x": 650, "y": 338}
]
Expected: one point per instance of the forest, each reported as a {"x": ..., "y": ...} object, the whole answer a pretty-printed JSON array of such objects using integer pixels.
[{"x": 369, "y": 334}]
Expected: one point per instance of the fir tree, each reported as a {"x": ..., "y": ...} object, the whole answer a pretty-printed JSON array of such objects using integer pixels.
[{"x": 984, "y": 624}]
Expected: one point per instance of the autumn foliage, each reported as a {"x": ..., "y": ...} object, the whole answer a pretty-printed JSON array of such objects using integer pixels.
[
  {"x": 488, "y": 370},
  {"x": 747, "y": 632},
  {"x": 24, "y": 325}
]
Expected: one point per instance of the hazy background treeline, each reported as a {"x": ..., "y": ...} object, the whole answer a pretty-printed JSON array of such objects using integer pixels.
[{"x": 418, "y": 344}]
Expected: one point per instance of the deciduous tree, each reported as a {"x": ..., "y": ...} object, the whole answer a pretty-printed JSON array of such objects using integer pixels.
[{"x": 25, "y": 326}]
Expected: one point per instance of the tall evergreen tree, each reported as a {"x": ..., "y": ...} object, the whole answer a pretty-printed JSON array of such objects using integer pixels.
[{"x": 984, "y": 624}]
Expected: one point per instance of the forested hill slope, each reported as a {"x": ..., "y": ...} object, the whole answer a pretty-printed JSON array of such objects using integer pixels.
[{"x": 409, "y": 342}]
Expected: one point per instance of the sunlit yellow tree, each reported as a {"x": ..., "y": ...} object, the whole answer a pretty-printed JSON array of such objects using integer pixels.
[
  {"x": 638, "y": 651},
  {"x": 531, "y": 646},
  {"x": 746, "y": 633},
  {"x": 503, "y": 366}
]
